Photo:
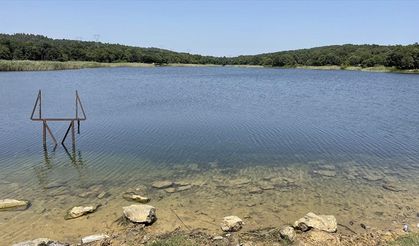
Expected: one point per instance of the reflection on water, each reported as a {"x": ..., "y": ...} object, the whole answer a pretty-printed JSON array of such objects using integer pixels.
[{"x": 266, "y": 145}]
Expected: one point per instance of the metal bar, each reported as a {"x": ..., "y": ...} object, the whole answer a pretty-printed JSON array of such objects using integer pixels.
[
  {"x": 78, "y": 126},
  {"x": 65, "y": 136},
  {"x": 36, "y": 102},
  {"x": 50, "y": 133},
  {"x": 58, "y": 119},
  {"x": 81, "y": 106},
  {"x": 73, "y": 136},
  {"x": 40, "y": 104},
  {"x": 77, "y": 105},
  {"x": 44, "y": 134}
]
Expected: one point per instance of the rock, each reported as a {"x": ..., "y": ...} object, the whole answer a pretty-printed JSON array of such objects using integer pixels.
[
  {"x": 79, "y": 211},
  {"x": 134, "y": 197},
  {"x": 88, "y": 193},
  {"x": 4, "y": 182},
  {"x": 94, "y": 238},
  {"x": 162, "y": 184},
  {"x": 55, "y": 184},
  {"x": 417, "y": 225},
  {"x": 288, "y": 233},
  {"x": 363, "y": 226},
  {"x": 183, "y": 188},
  {"x": 372, "y": 176},
  {"x": 255, "y": 190},
  {"x": 102, "y": 194},
  {"x": 240, "y": 181},
  {"x": 170, "y": 190},
  {"x": 321, "y": 222},
  {"x": 218, "y": 238},
  {"x": 267, "y": 187},
  {"x": 181, "y": 183},
  {"x": 393, "y": 187},
  {"x": 327, "y": 173},
  {"x": 41, "y": 242},
  {"x": 327, "y": 167},
  {"x": 140, "y": 213},
  {"x": 231, "y": 223},
  {"x": 14, "y": 204}
]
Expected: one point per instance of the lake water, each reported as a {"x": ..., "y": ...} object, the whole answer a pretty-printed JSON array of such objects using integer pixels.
[{"x": 267, "y": 145}]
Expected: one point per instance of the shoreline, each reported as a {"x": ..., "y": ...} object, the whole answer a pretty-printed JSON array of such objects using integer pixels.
[{"x": 30, "y": 65}]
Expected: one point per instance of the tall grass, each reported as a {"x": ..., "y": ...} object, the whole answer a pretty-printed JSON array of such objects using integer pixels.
[{"x": 26, "y": 65}]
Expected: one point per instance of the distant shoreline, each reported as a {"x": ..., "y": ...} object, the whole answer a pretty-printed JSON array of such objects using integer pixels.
[{"x": 29, "y": 65}]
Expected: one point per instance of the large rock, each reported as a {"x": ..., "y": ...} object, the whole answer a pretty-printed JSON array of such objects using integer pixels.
[
  {"x": 162, "y": 184},
  {"x": 79, "y": 211},
  {"x": 94, "y": 238},
  {"x": 140, "y": 213},
  {"x": 14, "y": 204},
  {"x": 321, "y": 222},
  {"x": 231, "y": 223},
  {"x": 134, "y": 197},
  {"x": 288, "y": 233},
  {"x": 41, "y": 242}
]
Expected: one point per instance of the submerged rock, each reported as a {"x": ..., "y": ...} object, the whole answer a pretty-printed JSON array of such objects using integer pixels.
[
  {"x": 327, "y": 173},
  {"x": 79, "y": 211},
  {"x": 288, "y": 233},
  {"x": 231, "y": 224},
  {"x": 239, "y": 181},
  {"x": 170, "y": 190},
  {"x": 134, "y": 197},
  {"x": 394, "y": 187},
  {"x": 140, "y": 213},
  {"x": 255, "y": 190},
  {"x": 162, "y": 184},
  {"x": 102, "y": 195},
  {"x": 55, "y": 184},
  {"x": 94, "y": 238},
  {"x": 182, "y": 183},
  {"x": 6, "y": 204},
  {"x": 185, "y": 187},
  {"x": 41, "y": 242},
  {"x": 320, "y": 222}
]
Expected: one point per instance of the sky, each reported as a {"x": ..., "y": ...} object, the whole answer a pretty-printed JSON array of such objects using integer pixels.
[{"x": 220, "y": 28}]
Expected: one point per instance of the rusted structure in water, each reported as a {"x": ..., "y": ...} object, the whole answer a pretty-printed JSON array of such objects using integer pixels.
[{"x": 72, "y": 121}]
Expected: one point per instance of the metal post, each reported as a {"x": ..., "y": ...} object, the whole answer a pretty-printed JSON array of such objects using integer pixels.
[
  {"x": 40, "y": 104},
  {"x": 44, "y": 133},
  {"x": 73, "y": 136}
]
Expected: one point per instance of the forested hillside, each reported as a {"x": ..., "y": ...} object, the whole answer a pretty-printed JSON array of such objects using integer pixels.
[{"x": 37, "y": 47}]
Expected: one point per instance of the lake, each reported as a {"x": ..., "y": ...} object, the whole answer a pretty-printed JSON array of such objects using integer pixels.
[{"x": 267, "y": 145}]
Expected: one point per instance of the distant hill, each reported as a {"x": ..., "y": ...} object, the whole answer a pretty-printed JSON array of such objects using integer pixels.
[{"x": 37, "y": 47}]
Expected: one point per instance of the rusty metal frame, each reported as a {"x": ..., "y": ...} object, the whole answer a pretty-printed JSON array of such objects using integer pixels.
[{"x": 45, "y": 127}]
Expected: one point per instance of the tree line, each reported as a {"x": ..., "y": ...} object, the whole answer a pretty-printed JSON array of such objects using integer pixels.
[{"x": 37, "y": 47}]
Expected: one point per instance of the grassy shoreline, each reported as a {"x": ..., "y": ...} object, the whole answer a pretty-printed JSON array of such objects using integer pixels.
[{"x": 28, "y": 65}]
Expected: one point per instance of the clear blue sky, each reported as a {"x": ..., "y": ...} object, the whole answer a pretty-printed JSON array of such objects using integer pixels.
[{"x": 217, "y": 27}]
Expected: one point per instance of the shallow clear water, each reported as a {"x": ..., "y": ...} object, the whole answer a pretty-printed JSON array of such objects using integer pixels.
[{"x": 279, "y": 128}]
